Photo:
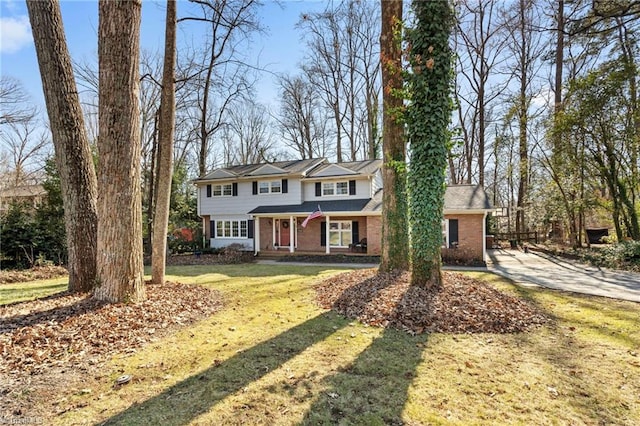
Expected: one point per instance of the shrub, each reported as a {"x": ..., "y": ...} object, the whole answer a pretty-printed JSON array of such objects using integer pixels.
[
  {"x": 624, "y": 255},
  {"x": 459, "y": 256}
]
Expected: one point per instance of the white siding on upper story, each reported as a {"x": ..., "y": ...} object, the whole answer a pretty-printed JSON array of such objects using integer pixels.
[
  {"x": 376, "y": 182},
  {"x": 363, "y": 190},
  {"x": 245, "y": 201}
]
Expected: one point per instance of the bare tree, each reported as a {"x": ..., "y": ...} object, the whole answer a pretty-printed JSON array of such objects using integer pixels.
[
  {"x": 526, "y": 49},
  {"x": 73, "y": 154},
  {"x": 249, "y": 134},
  {"x": 219, "y": 67},
  {"x": 343, "y": 63},
  {"x": 27, "y": 147},
  {"x": 324, "y": 66},
  {"x": 120, "y": 268},
  {"x": 165, "y": 149},
  {"x": 14, "y": 101},
  {"x": 481, "y": 48},
  {"x": 301, "y": 122}
]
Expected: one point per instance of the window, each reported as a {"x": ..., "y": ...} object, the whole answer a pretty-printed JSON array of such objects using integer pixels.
[
  {"x": 231, "y": 229},
  {"x": 222, "y": 190},
  {"x": 450, "y": 233},
  {"x": 274, "y": 187},
  {"x": 445, "y": 233},
  {"x": 335, "y": 188},
  {"x": 340, "y": 233}
]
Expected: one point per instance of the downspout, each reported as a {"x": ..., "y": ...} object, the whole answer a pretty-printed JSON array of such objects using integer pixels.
[{"x": 484, "y": 237}]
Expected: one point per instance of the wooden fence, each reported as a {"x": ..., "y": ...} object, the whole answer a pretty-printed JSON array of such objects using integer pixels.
[{"x": 516, "y": 237}]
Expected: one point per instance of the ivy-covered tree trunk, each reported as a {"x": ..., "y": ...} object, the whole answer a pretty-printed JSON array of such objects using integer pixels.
[
  {"x": 395, "y": 235},
  {"x": 165, "y": 149},
  {"x": 72, "y": 151},
  {"x": 428, "y": 117}
]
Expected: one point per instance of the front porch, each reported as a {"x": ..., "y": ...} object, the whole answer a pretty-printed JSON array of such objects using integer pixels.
[{"x": 329, "y": 234}]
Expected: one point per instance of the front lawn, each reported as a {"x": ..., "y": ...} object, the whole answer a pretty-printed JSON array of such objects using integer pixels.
[{"x": 272, "y": 356}]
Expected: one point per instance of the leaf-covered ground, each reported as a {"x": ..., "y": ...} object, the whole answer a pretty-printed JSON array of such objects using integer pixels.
[
  {"x": 462, "y": 305},
  {"x": 8, "y": 276},
  {"x": 49, "y": 343},
  {"x": 66, "y": 333}
]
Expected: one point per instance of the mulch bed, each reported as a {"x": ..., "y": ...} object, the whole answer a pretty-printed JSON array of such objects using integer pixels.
[
  {"x": 461, "y": 305},
  {"x": 227, "y": 257}
]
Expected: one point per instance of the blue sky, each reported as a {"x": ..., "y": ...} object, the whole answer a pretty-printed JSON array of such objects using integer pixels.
[{"x": 281, "y": 48}]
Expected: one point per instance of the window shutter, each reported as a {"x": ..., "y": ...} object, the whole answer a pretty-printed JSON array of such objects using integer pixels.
[
  {"x": 212, "y": 228},
  {"x": 250, "y": 228},
  {"x": 323, "y": 234},
  {"x": 318, "y": 189},
  {"x": 355, "y": 234},
  {"x": 234, "y": 189},
  {"x": 255, "y": 187},
  {"x": 285, "y": 186},
  {"x": 352, "y": 187},
  {"x": 208, "y": 191},
  {"x": 453, "y": 232}
]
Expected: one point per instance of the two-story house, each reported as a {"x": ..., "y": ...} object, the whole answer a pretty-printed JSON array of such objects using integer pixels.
[{"x": 263, "y": 207}]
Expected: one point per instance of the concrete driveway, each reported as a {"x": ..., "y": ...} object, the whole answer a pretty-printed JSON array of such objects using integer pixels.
[{"x": 552, "y": 272}]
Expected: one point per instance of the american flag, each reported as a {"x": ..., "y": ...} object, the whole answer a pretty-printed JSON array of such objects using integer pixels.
[{"x": 315, "y": 214}]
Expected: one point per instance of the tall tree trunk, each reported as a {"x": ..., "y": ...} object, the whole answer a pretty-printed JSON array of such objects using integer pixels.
[
  {"x": 523, "y": 121},
  {"x": 165, "y": 157},
  {"x": 395, "y": 235},
  {"x": 72, "y": 151},
  {"x": 428, "y": 120},
  {"x": 120, "y": 267},
  {"x": 151, "y": 190}
]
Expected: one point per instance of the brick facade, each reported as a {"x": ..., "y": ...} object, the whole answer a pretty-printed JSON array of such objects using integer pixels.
[{"x": 470, "y": 237}]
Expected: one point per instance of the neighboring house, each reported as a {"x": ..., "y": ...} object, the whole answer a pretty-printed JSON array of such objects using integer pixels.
[
  {"x": 31, "y": 195},
  {"x": 262, "y": 208}
]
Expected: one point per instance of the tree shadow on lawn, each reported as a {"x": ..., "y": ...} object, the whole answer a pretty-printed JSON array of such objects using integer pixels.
[
  {"x": 374, "y": 389},
  {"x": 196, "y": 395},
  {"x": 56, "y": 314}
]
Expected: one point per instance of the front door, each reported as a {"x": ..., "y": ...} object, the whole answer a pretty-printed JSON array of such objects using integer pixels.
[{"x": 285, "y": 234}]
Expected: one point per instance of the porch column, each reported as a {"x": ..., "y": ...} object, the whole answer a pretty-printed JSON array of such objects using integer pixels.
[
  {"x": 292, "y": 234},
  {"x": 256, "y": 235},
  {"x": 273, "y": 233},
  {"x": 327, "y": 236}
]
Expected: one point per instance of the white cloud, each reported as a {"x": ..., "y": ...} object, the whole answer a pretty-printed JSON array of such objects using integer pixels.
[{"x": 15, "y": 33}]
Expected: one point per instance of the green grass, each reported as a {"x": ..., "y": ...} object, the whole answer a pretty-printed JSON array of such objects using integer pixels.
[
  {"x": 271, "y": 356},
  {"x": 19, "y": 292}
]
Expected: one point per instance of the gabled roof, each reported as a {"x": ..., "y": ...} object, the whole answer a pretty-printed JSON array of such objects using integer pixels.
[
  {"x": 268, "y": 169},
  {"x": 351, "y": 168},
  {"x": 466, "y": 197},
  {"x": 292, "y": 167}
]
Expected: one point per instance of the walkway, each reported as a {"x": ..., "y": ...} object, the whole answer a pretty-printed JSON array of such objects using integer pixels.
[{"x": 557, "y": 273}]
